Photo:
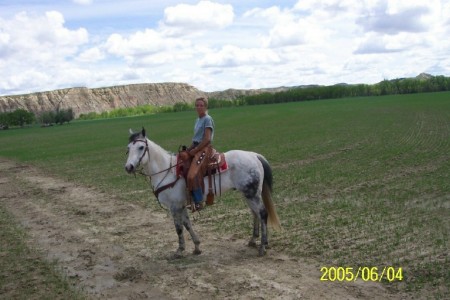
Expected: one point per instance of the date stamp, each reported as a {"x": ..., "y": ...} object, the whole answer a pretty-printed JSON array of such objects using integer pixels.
[{"x": 390, "y": 274}]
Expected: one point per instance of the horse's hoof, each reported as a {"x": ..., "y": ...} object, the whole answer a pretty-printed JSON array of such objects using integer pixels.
[
  {"x": 177, "y": 255},
  {"x": 252, "y": 244},
  {"x": 262, "y": 252},
  {"x": 197, "y": 252}
]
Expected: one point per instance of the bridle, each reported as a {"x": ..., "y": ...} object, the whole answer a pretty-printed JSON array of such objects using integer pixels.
[
  {"x": 148, "y": 152},
  {"x": 145, "y": 151},
  {"x": 158, "y": 189}
]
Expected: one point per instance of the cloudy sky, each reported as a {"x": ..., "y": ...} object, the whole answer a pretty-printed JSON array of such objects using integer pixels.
[{"x": 215, "y": 45}]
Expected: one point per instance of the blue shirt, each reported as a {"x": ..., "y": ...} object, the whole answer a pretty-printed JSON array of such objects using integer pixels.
[{"x": 200, "y": 126}]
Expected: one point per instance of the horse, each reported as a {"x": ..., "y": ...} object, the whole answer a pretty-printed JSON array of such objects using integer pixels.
[{"x": 248, "y": 172}]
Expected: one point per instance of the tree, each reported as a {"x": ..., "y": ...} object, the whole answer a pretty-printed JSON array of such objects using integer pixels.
[
  {"x": 20, "y": 117},
  {"x": 59, "y": 117},
  {"x": 4, "y": 121},
  {"x": 69, "y": 115},
  {"x": 47, "y": 118}
]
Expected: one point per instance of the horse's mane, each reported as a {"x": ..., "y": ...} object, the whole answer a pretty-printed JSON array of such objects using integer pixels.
[
  {"x": 161, "y": 149},
  {"x": 134, "y": 137}
]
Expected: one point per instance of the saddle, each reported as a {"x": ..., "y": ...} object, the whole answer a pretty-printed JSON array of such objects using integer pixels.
[{"x": 214, "y": 163}]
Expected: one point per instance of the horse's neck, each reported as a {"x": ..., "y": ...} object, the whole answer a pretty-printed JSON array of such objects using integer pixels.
[{"x": 160, "y": 159}]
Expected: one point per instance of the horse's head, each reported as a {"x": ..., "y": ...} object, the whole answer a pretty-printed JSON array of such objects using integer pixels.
[{"x": 137, "y": 150}]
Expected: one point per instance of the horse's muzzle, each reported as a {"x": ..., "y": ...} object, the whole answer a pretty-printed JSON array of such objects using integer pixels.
[{"x": 129, "y": 168}]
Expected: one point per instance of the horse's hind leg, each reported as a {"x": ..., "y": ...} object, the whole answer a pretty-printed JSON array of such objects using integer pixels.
[
  {"x": 187, "y": 224},
  {"x": 264, "y": 240},
  {"x": 259, "y": 219},
  {"x": 252, "y": 192},
  {"x": 255, "y": 235}
]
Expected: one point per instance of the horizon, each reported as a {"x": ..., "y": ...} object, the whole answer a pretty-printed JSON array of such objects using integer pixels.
[
  {"x": 218, "y": 91},
  {"x": 219, "y": 45}
]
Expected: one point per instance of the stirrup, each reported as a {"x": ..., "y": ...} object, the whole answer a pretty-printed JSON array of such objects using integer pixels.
[{"x": 195, "y": 206}]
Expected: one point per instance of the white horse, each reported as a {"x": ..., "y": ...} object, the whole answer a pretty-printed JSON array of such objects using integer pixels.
[{"x": 247, "y": 172}]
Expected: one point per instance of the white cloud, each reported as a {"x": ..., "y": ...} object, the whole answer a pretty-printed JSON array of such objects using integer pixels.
[
  {"x": 91, "y": 55},
  {"x": 34, "y": 35},
  {"x": 408, "y": 20},
  {"x": 288, "y": 34},
  {"x": 392, "y": 17},
  {"x": 83, "y": 2},
  {"x": 232, "y": 56},
  {"x": 325, "y": 7},
  {"x": 29, "y": 77},
  {"x": 216, "y": 45},
  {"x": 285, "y": 28},
  {"x": 206, "y": 15},
  {"x": 32, "y": 46},
  {"x": 146, "y": 47}
]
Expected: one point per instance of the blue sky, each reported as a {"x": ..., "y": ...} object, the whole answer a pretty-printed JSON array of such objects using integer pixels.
[{"x": 216, "y": 45}]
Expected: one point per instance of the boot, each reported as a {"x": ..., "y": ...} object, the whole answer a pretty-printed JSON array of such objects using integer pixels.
[
  {"x": 210, "y": 198},
  {"x": 197, "y": 196}
]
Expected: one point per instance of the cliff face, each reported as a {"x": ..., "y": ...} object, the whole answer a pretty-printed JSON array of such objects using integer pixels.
[{"x": 84, "y": 100}]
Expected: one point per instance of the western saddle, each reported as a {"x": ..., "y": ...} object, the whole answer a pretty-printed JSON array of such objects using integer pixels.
[{"x": 215, "y": 164}]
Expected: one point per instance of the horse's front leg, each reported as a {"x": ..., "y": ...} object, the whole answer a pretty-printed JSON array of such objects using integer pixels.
[
  {"x": 187, "y": 224},
  {"x": 177, "y": 215}
]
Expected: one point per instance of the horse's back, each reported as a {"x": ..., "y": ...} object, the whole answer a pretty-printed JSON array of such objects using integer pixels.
[
  {"x": 241, "y": 158},
  {"x": 244, "y": 167}
]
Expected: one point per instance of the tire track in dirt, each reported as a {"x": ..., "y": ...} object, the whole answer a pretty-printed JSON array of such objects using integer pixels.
[{"x": 119, "y": 250}]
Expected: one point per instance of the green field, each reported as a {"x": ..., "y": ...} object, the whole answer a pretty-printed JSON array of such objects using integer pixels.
[{"x": 357, "y": 182}]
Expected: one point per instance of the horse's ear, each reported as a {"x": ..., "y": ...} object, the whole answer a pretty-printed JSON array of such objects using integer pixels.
[
  {"x": 143, "y": 132},
  {"x": 131, "y": 131}
]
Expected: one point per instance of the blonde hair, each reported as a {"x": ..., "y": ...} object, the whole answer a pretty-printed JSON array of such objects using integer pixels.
[{"x": 204, "y": 99}]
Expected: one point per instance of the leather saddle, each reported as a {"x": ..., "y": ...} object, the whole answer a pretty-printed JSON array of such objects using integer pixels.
[{"x": 216, "y": 163}]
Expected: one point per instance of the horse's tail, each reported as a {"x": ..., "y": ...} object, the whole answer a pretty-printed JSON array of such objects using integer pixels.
[{"x": 273, "y": 219}]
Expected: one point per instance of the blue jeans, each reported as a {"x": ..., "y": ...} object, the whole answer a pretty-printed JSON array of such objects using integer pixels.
[{"x": 197, "y": 195}]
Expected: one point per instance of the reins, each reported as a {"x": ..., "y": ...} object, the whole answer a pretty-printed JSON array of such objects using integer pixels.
[{"x": 147, "y": 151}]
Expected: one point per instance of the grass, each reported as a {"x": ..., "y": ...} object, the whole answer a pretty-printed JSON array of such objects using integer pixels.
[
  {"x": 23, "y": 275},
  {"x": 358, "y": 182}
]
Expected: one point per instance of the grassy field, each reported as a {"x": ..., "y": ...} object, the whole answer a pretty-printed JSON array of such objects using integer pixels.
[
  {"x": 360, "y": 182},
  {"x": 21, "y": 267}
]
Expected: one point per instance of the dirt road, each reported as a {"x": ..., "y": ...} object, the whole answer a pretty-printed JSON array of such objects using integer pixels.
[{"x": 118, "y": 250}]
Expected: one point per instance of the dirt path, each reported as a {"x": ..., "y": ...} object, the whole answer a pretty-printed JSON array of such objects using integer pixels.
[{"x": 118, "y": 250}]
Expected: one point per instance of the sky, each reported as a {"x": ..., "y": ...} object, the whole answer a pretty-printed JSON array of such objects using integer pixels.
[{"x": 216, "y": 45}]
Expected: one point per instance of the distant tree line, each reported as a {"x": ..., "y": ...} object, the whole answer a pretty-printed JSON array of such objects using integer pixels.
[
  {"x": 385, "y": 87},
  {"x": 19, "y": 117},
  {"x": 125, "y": 112},
  {"x": 22, "y": 117},
  {"x": 61, "y": 116},
  {"x": 151, "y": 109}
]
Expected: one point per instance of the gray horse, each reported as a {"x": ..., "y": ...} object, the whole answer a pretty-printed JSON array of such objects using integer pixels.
[{"x": 247, "y": 172}]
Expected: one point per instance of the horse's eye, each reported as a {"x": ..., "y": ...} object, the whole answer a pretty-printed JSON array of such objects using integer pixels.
[{"x": 141, "y": 148}]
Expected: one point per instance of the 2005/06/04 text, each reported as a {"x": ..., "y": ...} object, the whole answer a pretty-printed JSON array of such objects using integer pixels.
[{"x": 364, "y": 273}]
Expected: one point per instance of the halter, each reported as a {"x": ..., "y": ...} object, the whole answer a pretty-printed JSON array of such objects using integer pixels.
[
  {"x": 145, "y": 151},
  {"x": 148, "y": 151}
]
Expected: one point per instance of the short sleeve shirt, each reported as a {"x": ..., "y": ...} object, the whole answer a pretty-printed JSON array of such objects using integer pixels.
[{"x": 200, "y": 126}]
